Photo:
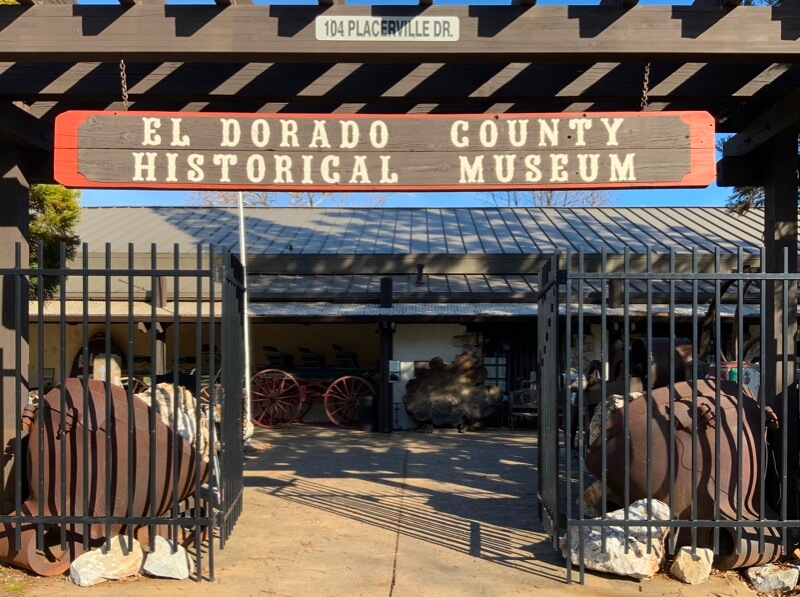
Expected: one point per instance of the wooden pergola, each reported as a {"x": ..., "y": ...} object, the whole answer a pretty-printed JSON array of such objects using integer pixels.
[{"x": 740, "y": 63}]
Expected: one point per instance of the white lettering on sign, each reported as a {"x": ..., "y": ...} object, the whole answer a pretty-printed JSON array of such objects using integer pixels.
[
  {"x": 364, "y": 28},
  {"x": 270, "y": 159}
]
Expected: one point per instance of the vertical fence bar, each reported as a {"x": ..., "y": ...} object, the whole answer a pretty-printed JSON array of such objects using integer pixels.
[
  {"x": 109, "y": 405},
  {"x": 87, "y": 528},
  {"x": 785, "y": 398},
  {"x": 130, "y": 390},
  {"x": 567, "y": 406},
  {"x": 695, "y": 355},
  {"x": 673, "y": 532},
  {"x": 177, "y": 392},
  {"x": 201, "y": 504},
  {"x": 742, "y": 288},
  {"x": 603, "y": 406},
  {"x": 626, "y": 300},
  {"x": 212, "y": 399},
  {"x": 647, "y": 389},
  {"x": 155, "y": 359},
  {"x": 19, "y": 299},
  {"x": 40, "y": 382},
  {"x": 62, "y": 374},
  {"x": 582, "y": 382},
  {"x": 762, "y": 510},
  {"x": 717, "y": 393}
]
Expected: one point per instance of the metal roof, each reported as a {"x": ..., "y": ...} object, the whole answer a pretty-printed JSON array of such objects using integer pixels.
[
  {"x": 454, "y": 231},
  {"x": 320, "y": 311}
]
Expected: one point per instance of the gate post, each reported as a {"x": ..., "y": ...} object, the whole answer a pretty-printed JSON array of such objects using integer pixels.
[
  {"x": 13, "y": 229},
  {"x": 780, "y": 237}
]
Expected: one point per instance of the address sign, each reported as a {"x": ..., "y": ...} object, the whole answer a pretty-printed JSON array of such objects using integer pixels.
[{"x": 177, "y": 150}]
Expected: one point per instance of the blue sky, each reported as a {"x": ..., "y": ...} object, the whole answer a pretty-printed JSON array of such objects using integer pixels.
[{"x": 712, "y": 196}]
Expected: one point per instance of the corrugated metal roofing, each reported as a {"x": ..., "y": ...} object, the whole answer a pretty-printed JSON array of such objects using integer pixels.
[
  {"x": 455, "y": 231},
  {"x": 137, "y": 311}
]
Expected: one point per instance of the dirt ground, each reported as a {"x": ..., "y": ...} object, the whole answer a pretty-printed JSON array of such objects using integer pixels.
[{"x": 334, "y": 512}]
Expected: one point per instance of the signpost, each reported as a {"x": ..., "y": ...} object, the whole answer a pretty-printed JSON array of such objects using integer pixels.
[{"x": 356, "y": 152}]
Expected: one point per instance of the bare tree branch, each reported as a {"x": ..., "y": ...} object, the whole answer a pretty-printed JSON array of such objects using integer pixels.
[
  {"x": 536, "y": 198},
  {"x": 285, "y": 199}
]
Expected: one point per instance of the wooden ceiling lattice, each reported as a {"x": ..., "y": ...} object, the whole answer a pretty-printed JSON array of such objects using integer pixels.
[{"x": 737, "y": 62}]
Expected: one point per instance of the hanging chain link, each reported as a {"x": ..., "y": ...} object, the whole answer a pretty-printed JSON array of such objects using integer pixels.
[
  {"x": 646, "y": 87},
  {"x": 123, "y": 75}
]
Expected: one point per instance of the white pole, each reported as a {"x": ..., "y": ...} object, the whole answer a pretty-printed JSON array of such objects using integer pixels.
[{"x": 243, "y": 255}]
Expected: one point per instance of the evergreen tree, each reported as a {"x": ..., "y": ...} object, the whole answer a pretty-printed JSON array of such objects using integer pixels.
[{"x": 54, "y": 213}]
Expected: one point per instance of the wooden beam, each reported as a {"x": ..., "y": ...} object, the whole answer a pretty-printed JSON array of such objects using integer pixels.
[
  {"x": 22, "y": 129},
  {"x": 490, "y": 33},
  {"x": 781, "y": 118},
  {"x": 14, "y": 356},
  {"x": 779, "y": 336}
]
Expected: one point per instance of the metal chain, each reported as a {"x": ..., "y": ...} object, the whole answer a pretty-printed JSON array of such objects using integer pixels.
[
  {"x": 646, "y": 87},
  {"x": 124, "y": 78}
]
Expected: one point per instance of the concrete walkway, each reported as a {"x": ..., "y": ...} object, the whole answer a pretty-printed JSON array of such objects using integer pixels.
[{"x": 332, "y": 512}]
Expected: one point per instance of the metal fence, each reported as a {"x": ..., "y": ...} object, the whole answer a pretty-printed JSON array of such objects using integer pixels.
[
  {"x": 668, "y": 378},
  {"x": 140, "y": 433}
]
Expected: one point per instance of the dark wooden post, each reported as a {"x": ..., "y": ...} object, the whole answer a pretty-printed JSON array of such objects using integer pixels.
[
  {"x": 160, "y": 300},
  {"x": 385, "y": 402},
  {"x": 780, "y": 237},
  {"x": 13, "y": 229}
]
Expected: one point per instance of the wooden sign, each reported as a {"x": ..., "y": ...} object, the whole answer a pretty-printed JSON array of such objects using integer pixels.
[{"x": 355, "y": 152}]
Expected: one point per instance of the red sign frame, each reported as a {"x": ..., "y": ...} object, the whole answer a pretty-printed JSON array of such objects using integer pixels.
[{"x": 76, "y": 131}]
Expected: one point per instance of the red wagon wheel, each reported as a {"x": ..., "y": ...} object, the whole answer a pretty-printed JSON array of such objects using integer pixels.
[
  {"x": 276, "y": 400},
  {"x": 341, "y": 399}
]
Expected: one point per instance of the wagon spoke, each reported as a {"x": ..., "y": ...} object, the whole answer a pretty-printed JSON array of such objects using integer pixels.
[
  {"x": 342, "y": 398},
  {"x": 277, "y": 399}
]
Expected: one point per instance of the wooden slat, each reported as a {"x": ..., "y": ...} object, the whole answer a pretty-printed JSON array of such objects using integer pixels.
[
  {"x": 135, "y": 2},
  {"x": 39, "y": 2},
  {"x": 490, "y": 34},
  {"x": 720, "y": 3},
  {"x": 233, "y": 2},
  {"x": 390, "y": 83},
  {"x": 627, "y": 3}
]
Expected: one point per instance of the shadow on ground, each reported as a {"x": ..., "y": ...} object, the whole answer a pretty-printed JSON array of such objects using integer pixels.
[{"x": 473, "y": 494}]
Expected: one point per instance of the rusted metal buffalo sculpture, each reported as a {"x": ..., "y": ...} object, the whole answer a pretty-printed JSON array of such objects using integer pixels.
[
  {"x": 87, "y": 438},
  {"x": 707, "y": 420}
]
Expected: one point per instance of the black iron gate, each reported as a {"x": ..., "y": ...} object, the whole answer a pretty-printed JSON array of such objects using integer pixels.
[
  {"x": 138, "y": 435},
  {"x": 661, "y": 389},
  {"x": 548, "y": 365}
]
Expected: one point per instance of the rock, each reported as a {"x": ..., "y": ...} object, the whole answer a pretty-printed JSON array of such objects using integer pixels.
[
  {"x": 692, "y": 568},
  {"x": 772, "y": 578},
  {"x": 614, "y": 402},
  {"x": 451, "y": 394},
  {"x": 593, "y": 497},
  {"x": 162, "y": 562},
  {"x": 121, "y": 559},
  {"x": 639, "y": 562}
]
